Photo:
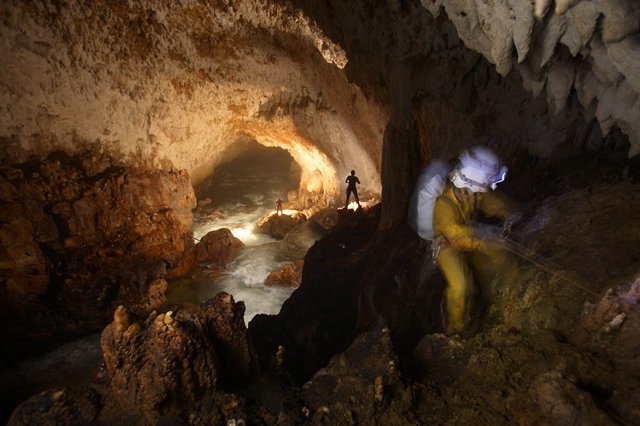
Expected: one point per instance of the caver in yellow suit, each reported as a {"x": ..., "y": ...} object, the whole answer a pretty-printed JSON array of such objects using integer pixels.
[{"x": 464, "y": 258}]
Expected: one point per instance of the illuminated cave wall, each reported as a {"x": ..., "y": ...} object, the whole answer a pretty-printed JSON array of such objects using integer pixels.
[
  {"x": 558, "y": 84},
  {"x": 166, "y": 83},
  {"x": 335, "y": 83}
]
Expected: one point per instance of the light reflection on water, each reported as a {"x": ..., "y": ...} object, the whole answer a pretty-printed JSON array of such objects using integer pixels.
[
  {"x": 242, "y": 197},
  {"x": 244, "y": 276},
  {"x": 242, "y": 194}
]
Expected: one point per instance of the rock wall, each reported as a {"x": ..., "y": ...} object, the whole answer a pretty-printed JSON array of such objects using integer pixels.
[
  {"x": 588, "y": 47},
  {"x": 182, "y": 82},
  {"x": 80, "y": 235},
  {"x": 166, "y": 364},
  {"x": 445, "y": 96}
]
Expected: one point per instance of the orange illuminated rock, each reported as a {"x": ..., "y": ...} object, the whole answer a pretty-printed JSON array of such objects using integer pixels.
[
  {"x": 290, "y": 275},
  {"x": 217, "y": 247},
  {"x": 278, "y": 226}
]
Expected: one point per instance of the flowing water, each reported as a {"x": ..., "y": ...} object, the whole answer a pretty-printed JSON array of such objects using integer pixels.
[
  {"x": 69, "y": 364},
  {"x": 243, "y": 192}
]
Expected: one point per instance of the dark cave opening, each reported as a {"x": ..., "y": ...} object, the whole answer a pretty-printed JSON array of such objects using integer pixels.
[
  {"x": 241, "y": 195},
  {"x": 255, "y": 177}
]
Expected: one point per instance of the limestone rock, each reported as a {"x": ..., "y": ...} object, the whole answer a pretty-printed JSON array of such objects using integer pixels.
[
  {"x": 224, "y": 320},
  {"x": 621, "y": 19},
  {"x": 175, "y": 359},
  {"x": 624, "y": 56},
  {"x": 613, "y": 321},
  {"x": 559, "y": 83},
  {"x": 523, "y": 27},
  {"x": 574, "y": 25},
  {"x": 278, "y": 226},
  {"x": 359, "y": 382},
  {"x": 89, "y": 243},
  {"x": 153, "y": 94},
  {"x": 157, "y": 365},
  {"x": 289, "y": 275},
  {"x": 217, "y": 247},
  {"x": 68, "y": 405},
  {"x": 561, "y": 401}
]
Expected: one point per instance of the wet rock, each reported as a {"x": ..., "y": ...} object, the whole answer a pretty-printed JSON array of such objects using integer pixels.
[
  {"x": 81, "y": 234},
  {"x": 58, "y": 406},
  {"x": 217, "y": 247},
  {"x": 289, "y": 275},
  {"x": 177, "y": 358},
  {"x": 360, "y": 386},
  {"x": 278, "y": 226}
]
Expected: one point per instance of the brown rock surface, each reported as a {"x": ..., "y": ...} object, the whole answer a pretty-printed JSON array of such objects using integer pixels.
[
  {"x": 217, "y": 247},
  {"x": 278, "y": 226},
  {"x": 58, "y": 406},
  {"x": 289, "y": 275},
  {"x": 176, "y": 359},
  {"x": 80, "y": 235}
]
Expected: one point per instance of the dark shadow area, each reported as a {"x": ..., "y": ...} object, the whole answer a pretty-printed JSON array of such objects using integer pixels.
[{"x": 257, "y": 177}]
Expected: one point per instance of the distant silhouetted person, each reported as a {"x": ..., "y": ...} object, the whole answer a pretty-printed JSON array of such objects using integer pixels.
[
  {"x": 279, "y": 204},
  {"x": 352, "y": 180}
]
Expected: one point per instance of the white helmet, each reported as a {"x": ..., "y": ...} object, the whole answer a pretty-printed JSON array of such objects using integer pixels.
[{"x": 479, "y": 169}]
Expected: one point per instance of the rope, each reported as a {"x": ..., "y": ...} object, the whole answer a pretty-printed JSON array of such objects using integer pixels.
[{"x": 543, "y": 264}]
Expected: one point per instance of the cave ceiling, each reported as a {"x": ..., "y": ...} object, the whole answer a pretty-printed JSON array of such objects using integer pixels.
[
  {"x": 180, "y": 83},
  {"x": 153, "y": 81}
]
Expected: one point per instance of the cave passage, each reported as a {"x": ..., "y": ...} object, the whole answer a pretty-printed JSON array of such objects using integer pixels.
[{"x": 238, "y": 194}]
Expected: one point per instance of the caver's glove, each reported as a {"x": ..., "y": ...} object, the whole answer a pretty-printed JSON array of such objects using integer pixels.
[{"x": 508, "y": 224}]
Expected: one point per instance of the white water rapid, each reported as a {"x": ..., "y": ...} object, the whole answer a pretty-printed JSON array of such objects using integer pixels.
[{"x": 242, "y": 192}]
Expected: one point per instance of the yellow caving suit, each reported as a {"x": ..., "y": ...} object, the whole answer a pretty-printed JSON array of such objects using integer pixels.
[{"x": 463, "y": 256}]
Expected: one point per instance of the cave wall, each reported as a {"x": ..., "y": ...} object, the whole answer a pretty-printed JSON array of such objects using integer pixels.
[
  {"x": 590, "y": 48},
  {"x": 80, "y": 235},
  {"x": 159, "y": 82},
  {"x": 447, "y": 90}
]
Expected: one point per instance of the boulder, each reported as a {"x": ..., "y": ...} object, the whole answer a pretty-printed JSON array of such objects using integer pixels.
[
  {"x": 217, "y": 247},
  {"x": 278, "y": 226},
  {"x": 289, "y": 275},
  {"x": 175, "y": 359}
]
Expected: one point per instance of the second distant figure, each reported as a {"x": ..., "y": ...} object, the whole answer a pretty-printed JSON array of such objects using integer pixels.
[
  {"x": 352, "y": 180},
  {"x": 279, "y": 204}
]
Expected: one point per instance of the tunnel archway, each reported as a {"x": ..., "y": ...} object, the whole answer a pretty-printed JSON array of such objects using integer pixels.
[{"x": 244, "y": 187}]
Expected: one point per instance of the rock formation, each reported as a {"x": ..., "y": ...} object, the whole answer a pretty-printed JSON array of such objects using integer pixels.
[
  {"x": 289, "y": 275},
  {"x": 187, "y": 83},
  {"x": 112, "y": 110},
  {"x": 81, "y": 235},
  {"x": 169, "y": 362},
  {"x": 588, "y": 47},
  {"x": 278, "y": 226}
]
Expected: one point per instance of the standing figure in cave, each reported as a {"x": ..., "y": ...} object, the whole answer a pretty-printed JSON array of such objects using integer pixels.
[
  {"x": 471, "y": 263},
  {"x": 279, "y": 204},
  {"x": 352, "y": 180}
]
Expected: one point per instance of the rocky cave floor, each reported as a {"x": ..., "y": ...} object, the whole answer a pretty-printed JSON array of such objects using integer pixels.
[{"x": 360, "y": 342}]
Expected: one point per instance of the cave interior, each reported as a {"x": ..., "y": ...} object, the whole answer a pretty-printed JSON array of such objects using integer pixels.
[{"x": 125, "y": 125}]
